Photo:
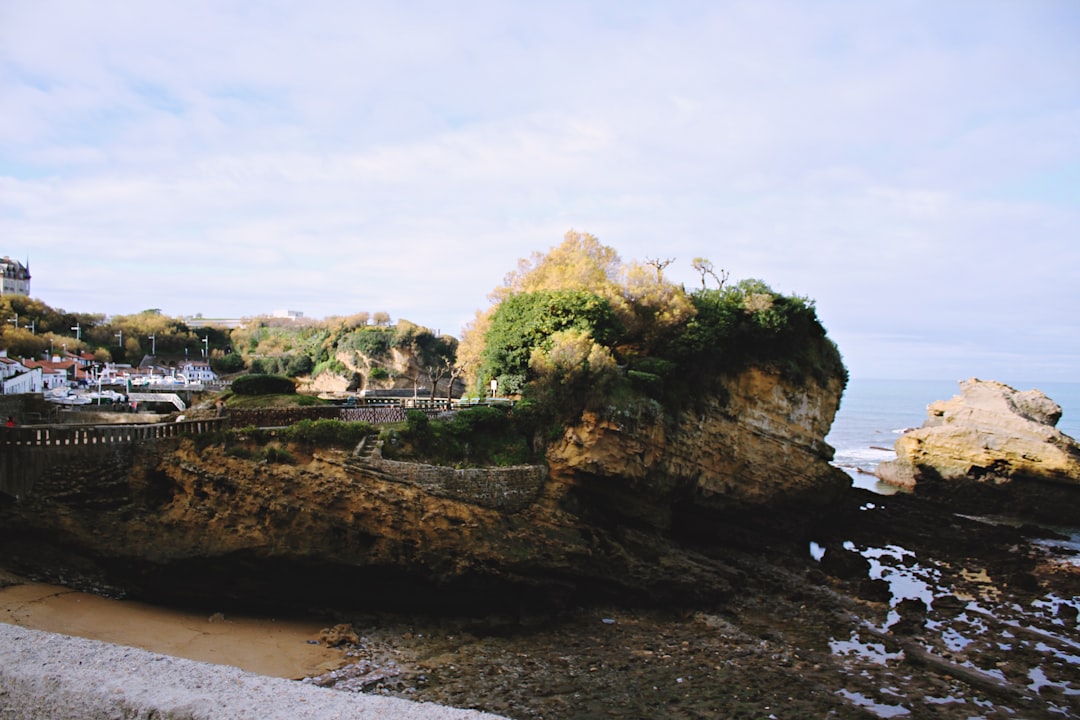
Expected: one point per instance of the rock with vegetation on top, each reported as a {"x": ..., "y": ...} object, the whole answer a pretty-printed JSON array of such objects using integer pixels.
[
  {"x": 995, "y": 446},
  {"x": 654, "y": 422}
]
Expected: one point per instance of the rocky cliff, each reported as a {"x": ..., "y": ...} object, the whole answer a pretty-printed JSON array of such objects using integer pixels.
[
  {"x": 992, "y": 448},
  {"x": 620, "y": 513}
]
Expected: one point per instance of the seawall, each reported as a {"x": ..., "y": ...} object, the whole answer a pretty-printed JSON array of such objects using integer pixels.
[{"x": 46, "y": 675}]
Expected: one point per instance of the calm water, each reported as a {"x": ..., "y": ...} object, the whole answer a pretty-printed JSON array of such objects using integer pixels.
[{"x": 874, "y": 412}]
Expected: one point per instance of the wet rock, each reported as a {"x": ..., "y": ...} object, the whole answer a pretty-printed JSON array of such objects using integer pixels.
[
  {"x": 338, "y": 635},
  {"x": 844, "y": 564},
  {"x": 912, "y": 619},
  {"x": 875, "y": 590},
  {"x": 1024, "y": 581},
  {"x": 949, "y": 605}
]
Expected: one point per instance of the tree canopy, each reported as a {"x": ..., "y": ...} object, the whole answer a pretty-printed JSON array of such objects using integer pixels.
[{"x": 578, "y": 326}]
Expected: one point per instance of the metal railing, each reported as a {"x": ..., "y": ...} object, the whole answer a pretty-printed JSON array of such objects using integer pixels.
[{"x": 61, "y": 435}]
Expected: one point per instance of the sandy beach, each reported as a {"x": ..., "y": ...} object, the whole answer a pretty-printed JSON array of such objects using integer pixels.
[{"x": 266, "y": 646}]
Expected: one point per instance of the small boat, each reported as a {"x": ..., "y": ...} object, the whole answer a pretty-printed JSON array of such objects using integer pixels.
[{"x": 67, "y": 397}]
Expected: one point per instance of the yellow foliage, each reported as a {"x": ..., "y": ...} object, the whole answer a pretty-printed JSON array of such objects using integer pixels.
[
  {"x": 572, "y": 351},
  {"x": 580, "y": 262},
  {"x": 645, "y": 303},
  {"x": 472, "y": 343}
]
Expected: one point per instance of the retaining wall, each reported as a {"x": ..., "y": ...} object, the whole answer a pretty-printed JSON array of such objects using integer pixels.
[
  {"x": 507, "y": 489},
  {"x": 280, "y": 417},
  {"x": 28, "y": 454}
]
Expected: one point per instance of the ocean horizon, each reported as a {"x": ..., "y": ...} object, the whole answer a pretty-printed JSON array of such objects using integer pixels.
[{"x": 874, "y": 412}]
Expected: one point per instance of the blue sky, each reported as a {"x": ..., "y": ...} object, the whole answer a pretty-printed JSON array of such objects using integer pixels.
[{"x": 912, "y": 166}]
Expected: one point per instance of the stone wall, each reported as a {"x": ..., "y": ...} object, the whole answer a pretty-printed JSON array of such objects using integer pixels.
[
  {"x": 506, "y": 489},
  {"x": 282, "y": 417},
  {"x": 26, "y": 408},
  {"x": 29, "y": 455}
]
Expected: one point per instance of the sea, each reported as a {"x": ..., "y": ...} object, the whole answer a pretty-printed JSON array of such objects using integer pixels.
[{"x": 874, "y": 413}]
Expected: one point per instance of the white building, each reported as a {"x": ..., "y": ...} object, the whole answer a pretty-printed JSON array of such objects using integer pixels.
[
  {"x": 14, "y": 277},
  {"x": 17, "y": 378},
  {"x": 198, "y": 371}
]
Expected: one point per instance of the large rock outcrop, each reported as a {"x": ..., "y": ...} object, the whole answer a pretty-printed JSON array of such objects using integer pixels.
[
  {"x": 992, "y": 448},
  {"x": 617, "y": 514}
]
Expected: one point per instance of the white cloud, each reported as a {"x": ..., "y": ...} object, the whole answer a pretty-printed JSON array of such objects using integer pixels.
[{"x": 902, "y": 164}]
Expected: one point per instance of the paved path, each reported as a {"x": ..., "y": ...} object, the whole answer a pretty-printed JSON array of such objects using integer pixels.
[{"x": 45, "y": 675}]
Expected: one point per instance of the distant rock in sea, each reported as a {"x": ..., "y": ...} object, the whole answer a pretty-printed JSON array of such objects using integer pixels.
[{"x": 992, "y": 449}]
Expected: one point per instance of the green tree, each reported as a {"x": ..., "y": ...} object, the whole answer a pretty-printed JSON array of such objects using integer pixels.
[
  {"x": 572, "y": 371},
  {"x": 525, "y": 322}
]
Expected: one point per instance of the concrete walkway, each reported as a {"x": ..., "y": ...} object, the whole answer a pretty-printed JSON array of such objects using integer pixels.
[{"x": 45, "y": 675}]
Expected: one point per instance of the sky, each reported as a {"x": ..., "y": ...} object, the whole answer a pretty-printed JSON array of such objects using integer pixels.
[{"x": 914, "y": 167}]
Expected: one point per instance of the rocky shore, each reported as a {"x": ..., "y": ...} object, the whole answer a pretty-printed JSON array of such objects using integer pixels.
[
  {"x": 909, "y": 612},
  {"x": 707, "y": 564},
  {"x": 893, "y": 607}
]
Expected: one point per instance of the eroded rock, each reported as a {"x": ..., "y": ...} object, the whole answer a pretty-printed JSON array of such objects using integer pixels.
[
  {"x": 995, "y": 447},
  {"x": 612, "y": 516}
]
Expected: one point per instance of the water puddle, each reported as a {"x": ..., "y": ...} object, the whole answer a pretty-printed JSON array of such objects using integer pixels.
[
  {"x": 1027, "y": 644},
  {"x": 879, "y": 709}
]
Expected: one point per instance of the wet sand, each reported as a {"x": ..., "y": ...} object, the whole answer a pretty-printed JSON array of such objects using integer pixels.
[{"x": 265, "y": 646}]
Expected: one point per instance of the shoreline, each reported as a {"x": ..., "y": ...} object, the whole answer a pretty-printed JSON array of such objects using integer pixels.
[{"x": 275, "y": 647}]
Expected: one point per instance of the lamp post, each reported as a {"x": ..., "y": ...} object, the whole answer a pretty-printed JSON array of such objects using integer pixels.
[
  {"x": 33, "y": 327},
  {"x": 206, "y": 350},
  {"x": 78, "y": 331},
  {"x": 153, "y": 345},
  {"x": 15, "y": 320}
]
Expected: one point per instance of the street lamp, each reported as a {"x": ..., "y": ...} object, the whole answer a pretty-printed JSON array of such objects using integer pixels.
[
  {"x": 206, "y": 346},
  {"x": 153, "y": 345},
  {"x": 15, "y": 320},
  {"x": 78, "y": 331},
  {"x": 33, "y": 327},
  {"x": 121, "y": 336}
]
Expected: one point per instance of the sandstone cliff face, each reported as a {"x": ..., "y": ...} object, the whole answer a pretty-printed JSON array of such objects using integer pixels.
[
  {"x": 608, "y": 519},
  {"x": 756, "y": 446},
  {"x": 993, "y": 439}
]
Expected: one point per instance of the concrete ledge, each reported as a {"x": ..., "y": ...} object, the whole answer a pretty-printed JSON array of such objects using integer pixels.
[{"x": 57, "y": 677}]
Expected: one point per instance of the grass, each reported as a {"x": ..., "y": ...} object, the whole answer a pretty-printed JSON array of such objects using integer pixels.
[{"x": 258, "y": 402}]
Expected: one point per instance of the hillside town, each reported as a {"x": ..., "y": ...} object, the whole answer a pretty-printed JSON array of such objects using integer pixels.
[{"x": 81, "y": 378}]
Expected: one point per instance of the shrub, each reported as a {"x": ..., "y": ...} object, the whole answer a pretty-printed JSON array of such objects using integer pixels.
[
  {"x": 298, "y": 364},
  {"x": 239, "y": 451},
  {"x": 332, "y": 365},
  {"x": 274, "y": 454},
  {"x": 417, "y": 421},
  {"x": 228, "y": 364},
  {"x": 327, "y": 432},
  {"x": 372, "y": 342},
  {"x": 477, "y": 436},
  {"x": 263, "y": 385}
]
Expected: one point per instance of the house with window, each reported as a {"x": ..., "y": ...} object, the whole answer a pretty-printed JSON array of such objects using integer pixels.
[
  {"x": 198, "y": 371},
  {"x": 14, "y": 277},
  {"x": 54, "y": 373},
  {"x": 17, "y": 378}
]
